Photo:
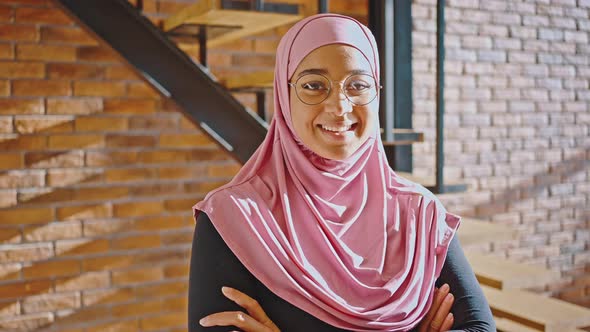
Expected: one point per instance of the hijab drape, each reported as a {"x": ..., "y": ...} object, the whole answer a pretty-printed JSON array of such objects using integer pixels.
[{"x": 348, "y": 241}]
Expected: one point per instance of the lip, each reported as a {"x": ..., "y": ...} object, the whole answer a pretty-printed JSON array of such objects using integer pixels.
[{"x": 339, "y": 136}]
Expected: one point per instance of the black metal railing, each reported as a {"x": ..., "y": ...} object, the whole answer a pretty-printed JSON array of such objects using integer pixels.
[{"x": 149, "y": 51}]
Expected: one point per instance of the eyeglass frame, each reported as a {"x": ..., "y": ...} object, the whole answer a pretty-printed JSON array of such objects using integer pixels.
[{"x": 341, "y": 88}]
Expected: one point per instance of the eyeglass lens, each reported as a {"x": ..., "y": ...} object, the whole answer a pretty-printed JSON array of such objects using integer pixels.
[{"x": 313, "y": 89}]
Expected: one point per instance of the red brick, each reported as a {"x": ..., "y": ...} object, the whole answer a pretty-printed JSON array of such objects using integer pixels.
[
  {"x": 86, "y": 281},
  {"x": 45, "y": 52},
  {"x": 117, "y": 326},
  {"x": 129, "y": 174},
  {"x": 23, "y": 142},
  {"x": 101, "y": 123},
  {"x": 6, "y": 13},
  {"x": 6, "y": 125},
  {"x": 136, "y": 242},
  {"x": 135, "y": 209},
  {"x": 46, "y": 123},
  {"x": 9, "y": 272},
  {"x": 41, "y": 15},
  {"x": 21, "y": 106},
  {"x": 177, "y": 237},
  {"x": 159, "y": 123},
  {"x": 51, "y": 302},
  {"x": 89, "y": 212},
  {"x": 129, "y": 106},
  {"x": 121, "y": 140},
  {"x": 41, "y": 88},
  {"x": 141, "y": 90},
  {"x": 120, "y": 73},
  {"x": 70, "y": 106},
  {"x": 97, "y": 54},
  {"x": 22, "y": 70},
  {"x": 22, "y": 289},
  {"x": 69, "y": 35},
  {"x": 6, "y": 51},
  {"x": 11, "y": 161},
  {"x": 115, "y": 158},
  {"x": 101, "y": 193},
  {"x": 184, "y": 140},
  {"x": 30, "y": 322},
  {"x": 157, "y": 223},
  {"x": 163, "y": 321},
  {"x": 105, "y": 227},
  {"x": 65, "y": 248},
  {"x": 52, "y": 269},
  {"x": 54, "y": 159},
  {"x": 18, "y": 32},
  {"x": 137, "y": 276},
  {"x": 67, "y": 177},
  {"x": 76, "y": 141},
  {"x": 99, "y": 89},
  {"x": 74, "y": 71},
  {"x": 26, "y": 253}
]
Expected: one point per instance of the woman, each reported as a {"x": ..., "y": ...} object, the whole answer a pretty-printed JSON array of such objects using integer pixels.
[{"x": 316, "y": 232}]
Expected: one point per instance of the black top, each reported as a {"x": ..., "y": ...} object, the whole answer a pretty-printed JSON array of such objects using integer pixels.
[{"x": 214, "y": 265}]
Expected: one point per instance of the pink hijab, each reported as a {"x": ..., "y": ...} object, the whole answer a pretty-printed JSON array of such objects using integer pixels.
[{"x": 348, "y": 241}]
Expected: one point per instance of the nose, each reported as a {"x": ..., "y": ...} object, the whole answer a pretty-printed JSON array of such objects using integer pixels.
[{"x": 338, "y": 103}]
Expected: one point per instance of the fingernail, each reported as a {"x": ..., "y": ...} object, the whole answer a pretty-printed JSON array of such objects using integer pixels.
[
  {"x": 203, "y": 322},
  {"x": 241, "y": 317},
  {"x": 449, "y": 297},
  {"x": 225, "y": 290},
  {"x": 445, "y": 287}
]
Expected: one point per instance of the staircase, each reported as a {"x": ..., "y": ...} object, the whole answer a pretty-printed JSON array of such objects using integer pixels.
[{"x": 157, "y": 52}]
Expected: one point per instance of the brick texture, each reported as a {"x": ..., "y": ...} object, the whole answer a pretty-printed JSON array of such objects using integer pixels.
[
  {"x": 98, "y": 171},
  {"x": 514, "y": 75},
  {"x": 94, "y": 212}
]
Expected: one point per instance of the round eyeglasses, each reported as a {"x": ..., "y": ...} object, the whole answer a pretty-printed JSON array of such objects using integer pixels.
[{"x": 313, "y": 89}]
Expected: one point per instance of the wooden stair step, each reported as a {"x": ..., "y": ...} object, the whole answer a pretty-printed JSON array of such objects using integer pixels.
[
  {"x": 473, "y": 231},
  {"x": 507, "y": 325},
  {"x": 235, "y": 24},
  {"x": 504, "y": 274},
  {"x": 536, "y": 311}
]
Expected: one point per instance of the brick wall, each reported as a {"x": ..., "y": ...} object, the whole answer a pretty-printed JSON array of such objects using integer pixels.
[
  {"x": 517, "y": 124},
  {"x": 98, "y": 173},
  {"x": 97, "y": 177}
]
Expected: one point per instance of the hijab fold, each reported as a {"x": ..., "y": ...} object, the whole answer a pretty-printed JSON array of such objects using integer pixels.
[{"x": 348, "y": 241}]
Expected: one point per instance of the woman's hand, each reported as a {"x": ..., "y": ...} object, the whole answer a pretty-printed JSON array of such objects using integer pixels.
[
  {"x": 256, "y": 321},
  {"x": 439, "y": 317}
]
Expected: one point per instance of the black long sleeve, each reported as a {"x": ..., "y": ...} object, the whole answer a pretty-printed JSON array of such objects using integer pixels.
[{"x": 214, "y": 265}]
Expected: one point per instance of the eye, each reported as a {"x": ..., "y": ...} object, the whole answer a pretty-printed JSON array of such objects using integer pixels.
[
  {"x": 314, "y": 85},
  {"x": 358, "y": 86}
]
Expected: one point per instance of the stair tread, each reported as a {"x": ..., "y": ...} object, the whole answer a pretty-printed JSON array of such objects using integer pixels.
[
  {"x": 504, "y": 274},
  {"x": 507, "y": 325},
  {"x": 536, "y": 311},
  {"x": 474, "y": 231},
  {"x": 244, "y": 22}
]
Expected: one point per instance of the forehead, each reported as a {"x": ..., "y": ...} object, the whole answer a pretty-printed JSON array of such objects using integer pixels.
[{"x": 335, "y": 59}]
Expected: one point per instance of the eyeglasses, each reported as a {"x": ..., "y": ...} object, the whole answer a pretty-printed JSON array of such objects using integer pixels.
[{"x": 313, "y": 89}]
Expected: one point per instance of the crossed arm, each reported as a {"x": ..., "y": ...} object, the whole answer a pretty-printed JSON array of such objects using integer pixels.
[{"x": 213, "y": 265}]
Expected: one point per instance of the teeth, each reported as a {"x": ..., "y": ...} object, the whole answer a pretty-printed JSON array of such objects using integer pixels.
[{"x": 336, "y": 129}]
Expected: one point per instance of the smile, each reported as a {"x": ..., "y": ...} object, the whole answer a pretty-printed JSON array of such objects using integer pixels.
[{"x": 339, "y": 129}]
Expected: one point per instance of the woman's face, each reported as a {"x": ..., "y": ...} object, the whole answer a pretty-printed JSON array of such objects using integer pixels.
[{"x": 334, "y": 128}]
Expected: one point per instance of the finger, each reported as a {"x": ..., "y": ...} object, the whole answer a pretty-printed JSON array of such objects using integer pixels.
[
  {"x": 248, "y": 303},
  {"x": 443, "y": 311},
  {"x": 439, "y": 296},
  {"x": 233, "y": 318},
  {"x": 448, "y": 323}
]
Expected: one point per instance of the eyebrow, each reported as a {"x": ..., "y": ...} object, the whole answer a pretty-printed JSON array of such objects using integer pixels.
[{"x": 322, "y": 71}]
